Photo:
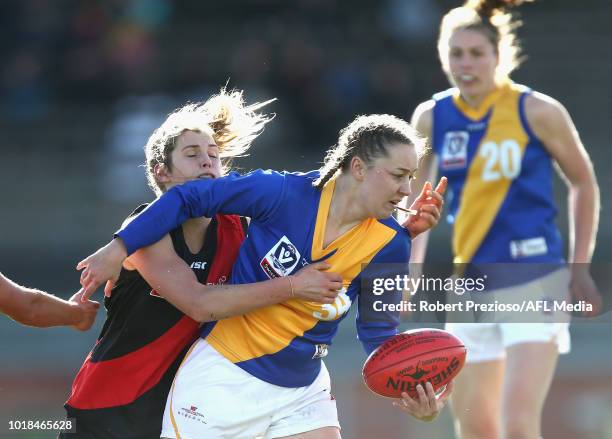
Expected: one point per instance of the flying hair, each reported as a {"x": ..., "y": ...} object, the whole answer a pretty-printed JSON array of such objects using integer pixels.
[
  {"x": 494, "y": 19},
  {"x": 225, "y": 116}
]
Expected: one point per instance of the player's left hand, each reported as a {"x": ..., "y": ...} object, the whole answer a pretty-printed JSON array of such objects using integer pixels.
[
  {"x": 428, "y": 207},
  {"x": 104, "y": 265},
  {"x": 427, "y": 407},
  {"x": 583, "y": 288}
]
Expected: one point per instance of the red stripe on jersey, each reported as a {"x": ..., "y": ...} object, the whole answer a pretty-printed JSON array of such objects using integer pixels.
[
  {"x": 230, "y": 235},
  {"x": 120, "y": 381}
]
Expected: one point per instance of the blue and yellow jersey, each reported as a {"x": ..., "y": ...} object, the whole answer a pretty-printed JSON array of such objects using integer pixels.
[
  {"x": 283, "y": 344},
  {"x": 500, "y": 179}
]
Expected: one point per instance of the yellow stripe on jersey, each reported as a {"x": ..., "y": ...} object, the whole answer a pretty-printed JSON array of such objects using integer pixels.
[
  {"x": 354, "y": 248},
  {"x": 480, "y": 111},
  {"x": 496, "y": 163},
  {"x": 268, "y": 330}
]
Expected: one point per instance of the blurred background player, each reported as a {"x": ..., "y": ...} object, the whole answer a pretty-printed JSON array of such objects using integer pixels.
[
  {"x": 281, "y": 387},
  {"x": 497, "y": 142},
  {"x": 33, "y": 307},
  {"x": 121, "y": 389}
]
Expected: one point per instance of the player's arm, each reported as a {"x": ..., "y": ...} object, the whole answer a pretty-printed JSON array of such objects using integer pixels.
[
  {"x": 172, "y": 278},
  {"x": 378, "y": 295},
  {"x": 375, "y": 325},
  {"x": 255, "y": 195},
  {"x": 33, "y": 307},
  {"x": 375, "y": 322},
  {"x": 552, "y": 124}
]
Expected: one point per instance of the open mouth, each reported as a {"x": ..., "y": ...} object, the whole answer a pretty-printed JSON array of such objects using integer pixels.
[{"x": 466, "y": 78}]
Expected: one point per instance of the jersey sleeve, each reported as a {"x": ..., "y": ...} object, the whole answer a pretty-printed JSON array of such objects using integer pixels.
[
  {"x": 255, "y": 195},
  {"x": 375, "y": 321}
]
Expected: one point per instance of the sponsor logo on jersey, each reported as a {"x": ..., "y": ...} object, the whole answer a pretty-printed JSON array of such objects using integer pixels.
[
  {"x": 476, "y": 126},
  {"x": 198, "y": 265},
  {"x": 528, "y": 247},
  {"x": 154, "y": 293},
  {"x": 281, "y": 259},
  {"x": 192, "y": 413},
  {"x": 454, "y": 150},
  {"x": 320, "y": 351}
]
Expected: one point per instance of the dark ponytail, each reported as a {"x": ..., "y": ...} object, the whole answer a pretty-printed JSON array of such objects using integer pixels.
[{"x": 367, "y": 137}]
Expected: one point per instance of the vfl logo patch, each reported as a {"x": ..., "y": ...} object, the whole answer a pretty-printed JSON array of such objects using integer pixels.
[
  {"x": 454, "y": 150},
  {"x": 281, "y": 259}
]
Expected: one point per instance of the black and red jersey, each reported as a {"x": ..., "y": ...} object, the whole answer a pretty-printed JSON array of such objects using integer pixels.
[{"x": 120, "y": 391}]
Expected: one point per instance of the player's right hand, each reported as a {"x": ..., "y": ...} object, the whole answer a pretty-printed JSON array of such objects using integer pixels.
[
  {"x": 87, "y": 311},
  {"x": 313, "y": 284},
  {"x": 104, "y": 265},
  {"x": 427, "y": 406}
]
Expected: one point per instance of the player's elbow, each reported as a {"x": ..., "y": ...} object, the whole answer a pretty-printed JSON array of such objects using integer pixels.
[
  {"x": 202, "y": 315},
  {"x": 584, "y": 185},
  {"x": 202, "y": 311}
]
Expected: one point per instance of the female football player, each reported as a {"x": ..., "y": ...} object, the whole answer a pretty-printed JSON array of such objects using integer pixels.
[
  {"x": 121, "y": 389},
  {"x": 261, "y": 374},
  {"x": 497, "y": 142}
]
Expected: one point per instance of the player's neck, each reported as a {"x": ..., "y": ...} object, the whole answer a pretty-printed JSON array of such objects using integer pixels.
[
  {"x": 344, "y": 212},
  {"x": 194, "y": 231},
  {"x": 476, "y": 100}
]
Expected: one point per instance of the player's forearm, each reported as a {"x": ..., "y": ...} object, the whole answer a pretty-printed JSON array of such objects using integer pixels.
[
  {"x": 231, "y": 300},
  {"x": 583, "y": 205},
  {"x": 36, "y": 308},
  {"x": 418, "y": 249},
  {"x": 205, "y": 303},
  {"x": 163, "y": 215},
  {"x": 46, "y": 310}
]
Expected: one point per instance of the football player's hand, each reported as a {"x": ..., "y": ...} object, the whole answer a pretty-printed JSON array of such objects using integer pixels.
[
  {"x": 427, "y": 406},
  {"x": 313, "y": 284},
  {"x": 583, "y": 288},
  {"x": 86, "y": 311},
  {"x": 104, "y": 265},
  {"x": 428, "y": 207}
]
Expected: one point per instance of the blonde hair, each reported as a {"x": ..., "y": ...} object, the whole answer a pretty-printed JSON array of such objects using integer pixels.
[
  {"x": 493, "y": 19},
  {"x": 368, "y": 138},
  {"x": 225, "y": 116}
]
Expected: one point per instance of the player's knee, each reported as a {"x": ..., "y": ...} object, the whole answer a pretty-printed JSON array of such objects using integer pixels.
[
  {"x": 478, "y": 427},
  {"x": 521, "y": 426}
]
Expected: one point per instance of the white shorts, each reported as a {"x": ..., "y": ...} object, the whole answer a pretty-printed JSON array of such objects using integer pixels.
[
  {"x": 213, "y": 398},
  {"x": 488, "y": 341}
]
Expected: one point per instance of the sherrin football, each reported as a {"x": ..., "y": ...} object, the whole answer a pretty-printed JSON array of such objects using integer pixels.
[{"x": 411, "y": 358}]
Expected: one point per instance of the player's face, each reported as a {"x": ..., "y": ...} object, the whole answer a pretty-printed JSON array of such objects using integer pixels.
[
  {"x": 196, "y": 155},
  {"x": 472, "y": 60},
  {"x": 387, "y": 180}
]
